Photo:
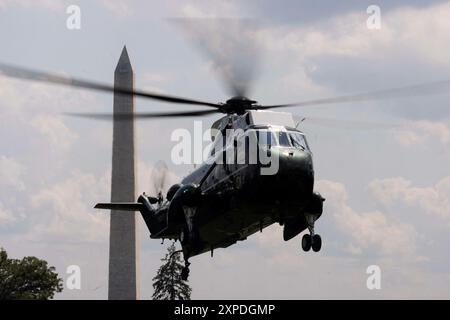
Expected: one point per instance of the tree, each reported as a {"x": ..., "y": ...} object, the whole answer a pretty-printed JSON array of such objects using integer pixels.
[
  {"x": 29, "y": 278},
  {"x": 167, "y": 283}
]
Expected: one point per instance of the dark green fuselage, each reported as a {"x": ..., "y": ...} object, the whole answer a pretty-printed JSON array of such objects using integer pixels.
[{"x": 230, "y": 202}]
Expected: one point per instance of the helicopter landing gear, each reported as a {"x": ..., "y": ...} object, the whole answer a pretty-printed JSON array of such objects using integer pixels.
[
  {"x": 311, "y": 240},
  {"x": 316, "y": 243},
  {"x": 306, "y": 242},
  {"x": 185, "y": 271}
]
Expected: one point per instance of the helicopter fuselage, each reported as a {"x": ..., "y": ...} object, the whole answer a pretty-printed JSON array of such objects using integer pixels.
[{"x": 229, "y": 197}]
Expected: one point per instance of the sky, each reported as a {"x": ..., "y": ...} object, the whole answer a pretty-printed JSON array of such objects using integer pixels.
[{"x": 387, "y": 187}]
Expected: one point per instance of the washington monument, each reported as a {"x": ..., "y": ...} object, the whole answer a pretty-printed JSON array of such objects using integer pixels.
[{"x": 123, "y": 239}]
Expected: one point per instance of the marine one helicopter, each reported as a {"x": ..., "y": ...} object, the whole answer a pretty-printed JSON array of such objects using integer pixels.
[{"x": 231, "y": 196}]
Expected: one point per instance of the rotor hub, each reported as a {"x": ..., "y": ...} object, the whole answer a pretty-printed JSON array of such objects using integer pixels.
[{"x": 238, "y": 104}]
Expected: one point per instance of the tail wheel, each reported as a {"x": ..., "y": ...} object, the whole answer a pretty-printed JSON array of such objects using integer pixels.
[
  {"x": 316, "y": 243},
  {"x": 306, "y": 242}
]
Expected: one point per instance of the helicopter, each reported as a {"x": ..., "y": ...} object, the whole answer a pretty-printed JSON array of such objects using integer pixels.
[
  {"x": 259, "y": 170},
  {"x": 222, "y": 202}
]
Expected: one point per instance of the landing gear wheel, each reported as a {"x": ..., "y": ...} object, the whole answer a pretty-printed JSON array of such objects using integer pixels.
[
  {"x": 316, "y": 243},
  {"x": 184, "y": 273},
  {"x": 306, "y": 242}
]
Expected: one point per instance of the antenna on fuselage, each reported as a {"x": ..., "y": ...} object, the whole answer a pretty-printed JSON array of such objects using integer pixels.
[{"x": 298, "y": 123}]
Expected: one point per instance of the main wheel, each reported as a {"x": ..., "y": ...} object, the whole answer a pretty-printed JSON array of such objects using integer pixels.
[
  {"x": 316, "y": 243},
  {"x": 306, "y": 242}
]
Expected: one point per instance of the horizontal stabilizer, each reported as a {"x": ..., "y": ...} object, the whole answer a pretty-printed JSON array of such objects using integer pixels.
[{"x": 125, "y": 206}]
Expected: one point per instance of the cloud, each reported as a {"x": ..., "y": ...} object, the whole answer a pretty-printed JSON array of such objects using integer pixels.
[
  {"x": 367, "y": 230},
  {"x": 402, "y": 29},
  {"x": 433, "y": 200},
  {"x": 6, "y": 216},
  {"x": 209, "y": 9},
  {"x": 119, "y": 8},
  {"x": 418, "y": 132},
  {"x": 54, "y": 129},
  {"x": 11, "y": 172},
  {"x": 52, "y": 5},
  {"x": 341, "y": 55},
  {"x": 65, "y": 211},
  {"x": 25, "y": 98},
  {"x": 31, "y": 112}
]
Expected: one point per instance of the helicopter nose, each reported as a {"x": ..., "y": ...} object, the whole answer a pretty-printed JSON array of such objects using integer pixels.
[
  {"x": 296, "y": 163},
  {"x": 293, "y": 179},
  {"x": 296, "y": 170}
]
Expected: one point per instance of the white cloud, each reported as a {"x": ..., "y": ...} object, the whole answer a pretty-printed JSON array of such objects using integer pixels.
[
  {"x": 11, "y": 172},
  {"x": 432, "y": 199},
  {"x": 405, "y": 32},
  {"x": 6, "y": 216},
  {"x": 53, "y": 5},
  {"x": 209, "y": 9},
  {"x": 12, "y": 96},
  {"x": 404, "y": 29},
  {"x": 24, "y": 98},
  {"x": 120, "y": 8},
  {"x": 418, "y": 132},
  {"x": 58, "y": 134},
  {"x": 368, "y": 230},
  {"x": 65, "y": 211}
]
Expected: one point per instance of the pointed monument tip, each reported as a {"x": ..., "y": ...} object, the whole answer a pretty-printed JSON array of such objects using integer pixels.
[{"x": 124, "y": 64}]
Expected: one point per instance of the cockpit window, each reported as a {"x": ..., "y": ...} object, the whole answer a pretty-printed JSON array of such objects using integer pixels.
[
  {"x": 298, "y": 140},
  {"x": 283, "y": 139}
]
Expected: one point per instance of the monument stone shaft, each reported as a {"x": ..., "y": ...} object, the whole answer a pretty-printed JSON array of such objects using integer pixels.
[{"x": 123, "y": 240}]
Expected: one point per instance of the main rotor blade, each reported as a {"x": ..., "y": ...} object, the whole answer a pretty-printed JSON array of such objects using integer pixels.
[
  {"x": 130, "y": 116},
  {"x": 430, "y": 88},
  {"x": 28, "y": 74},
  {"x": 346, "y": 124},
  {"x": 230, "y": 45}
]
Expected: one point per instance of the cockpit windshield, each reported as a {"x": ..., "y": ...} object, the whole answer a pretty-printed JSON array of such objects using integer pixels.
[
  {"x": 298, "y": 140},
  {"x": 282, "y": 138}
]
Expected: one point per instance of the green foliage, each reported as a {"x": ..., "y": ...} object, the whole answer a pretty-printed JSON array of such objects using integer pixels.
[
  {"x": 29, "y": 278},
  {"x": 167, "y": 283}
]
